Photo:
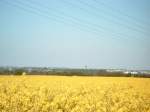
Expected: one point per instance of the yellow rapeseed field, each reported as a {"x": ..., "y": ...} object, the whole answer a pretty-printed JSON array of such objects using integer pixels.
[{"x": 74, "y": 94}]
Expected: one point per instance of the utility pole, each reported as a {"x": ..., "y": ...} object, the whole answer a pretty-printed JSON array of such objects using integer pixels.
[{"x": 85, "y": 67}]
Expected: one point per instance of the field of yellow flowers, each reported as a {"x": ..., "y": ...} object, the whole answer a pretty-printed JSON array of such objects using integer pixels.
[{"x": 74, "y": 94}]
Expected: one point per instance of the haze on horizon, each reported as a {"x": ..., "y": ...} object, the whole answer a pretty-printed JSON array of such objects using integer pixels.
[{"x": 75, "y": 33}]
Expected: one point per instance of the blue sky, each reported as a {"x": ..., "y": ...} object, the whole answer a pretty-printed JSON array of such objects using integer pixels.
[{"x": 75, "y": 33}]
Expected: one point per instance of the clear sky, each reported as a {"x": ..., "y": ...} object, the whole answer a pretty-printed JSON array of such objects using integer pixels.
[{"x": 75, "y": 33}]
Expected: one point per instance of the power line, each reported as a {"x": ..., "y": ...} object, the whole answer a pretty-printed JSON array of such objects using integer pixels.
[
  {"x": 82, "y": 23},
  {"x": 134, "y": 19},
  {"x": 138, "y": 29},
  {"x": 41, "y": 13},
  {"x": 54, "y": 19},
  {"x": 136, "y": 23},
  {"x": 94, "y": 13}
]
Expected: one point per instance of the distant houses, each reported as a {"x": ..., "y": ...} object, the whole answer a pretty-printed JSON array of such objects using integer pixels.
[
  {"x": 73, "y": 72},
  {"x": 132, "y": 73}
]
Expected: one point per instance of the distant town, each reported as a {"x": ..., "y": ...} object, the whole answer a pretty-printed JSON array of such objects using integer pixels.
[{"x": 73, "y": 71}]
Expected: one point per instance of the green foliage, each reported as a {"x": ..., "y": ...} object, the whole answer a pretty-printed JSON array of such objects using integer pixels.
[{"x": 18, "y": 71}]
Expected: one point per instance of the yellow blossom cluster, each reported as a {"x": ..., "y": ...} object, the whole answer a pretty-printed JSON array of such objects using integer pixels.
[{"x": 74, "y": 94}]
